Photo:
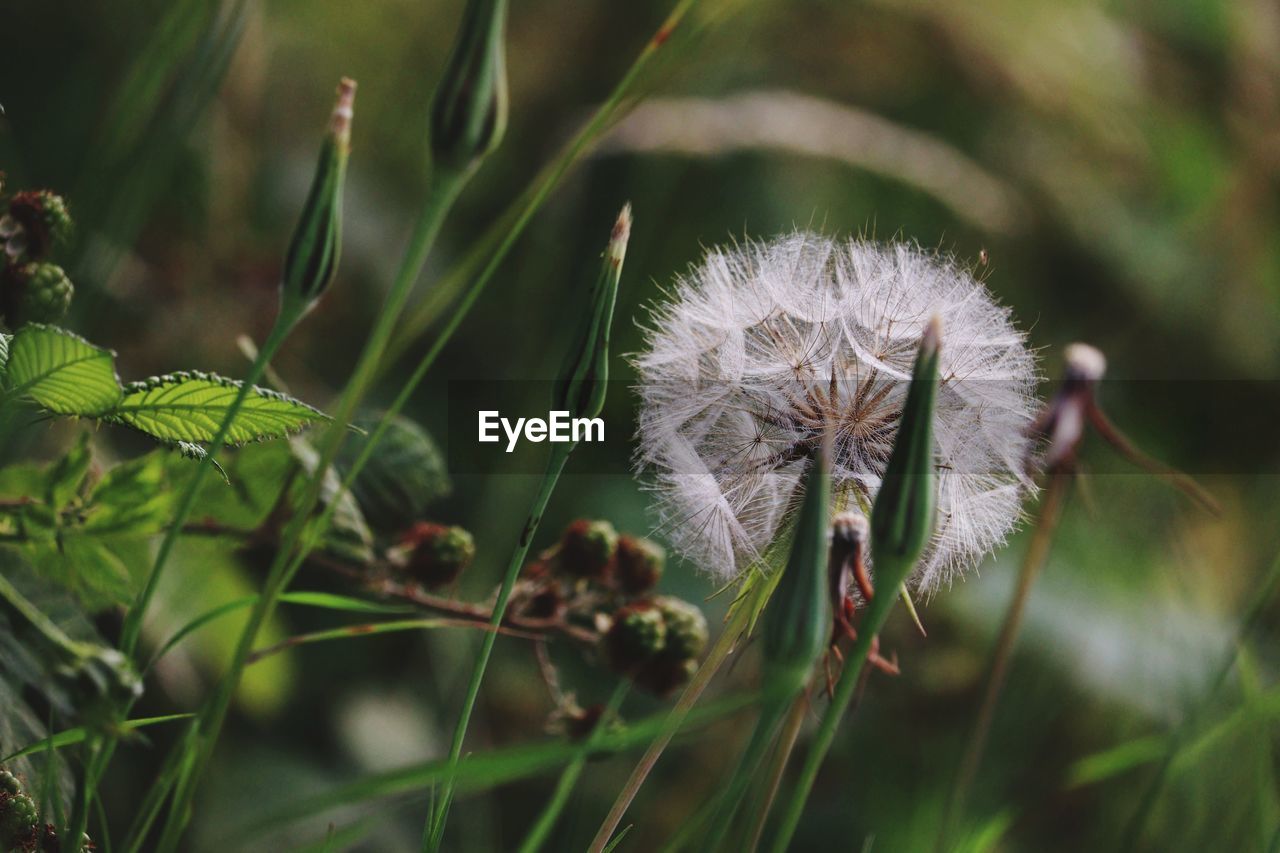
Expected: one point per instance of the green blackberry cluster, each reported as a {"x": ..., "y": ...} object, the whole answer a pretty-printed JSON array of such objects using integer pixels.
[
  {"x": 433, "y": 555},
  {"x": 597, "y": 579},
  {"x": 33, "y": 289},
  {"x": 20, "y": 827}
]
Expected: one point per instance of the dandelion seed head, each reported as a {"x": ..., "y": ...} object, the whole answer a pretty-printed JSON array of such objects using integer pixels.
[{"x": 763, "y": 347}]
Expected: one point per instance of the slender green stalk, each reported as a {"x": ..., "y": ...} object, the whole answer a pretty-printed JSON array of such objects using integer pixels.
[
  {"x": 443, "y": 190},
  {"x": 1257, "y": 607},
  {"x": 771, "y": 716},
  {"x": 569, "y": 776},
  {"x": 736, "y": 624},
  {"x": 1032, "y": 562},
  {"x": 777, "y": 767},
  {"x": 186, "y": 503},
  {"x": 434, "y": 828}
]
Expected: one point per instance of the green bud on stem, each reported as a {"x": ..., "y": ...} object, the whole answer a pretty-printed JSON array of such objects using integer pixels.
[
  {"x": 312, "y": 260},
  {"x": 581, "y": 386},
  {"x": 902, "y": 515},
  {"x": 469, "y": 110},
  {"x": 797, "y": 620}
]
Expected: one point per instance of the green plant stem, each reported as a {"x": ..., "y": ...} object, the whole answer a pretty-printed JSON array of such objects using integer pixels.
[
  {"x": 738, "y": 621},
  {"x": 876, "y": 614},
  {"x": 777, "y": 767},
  {"x": 186, "y": 503},
  {"x": 433, "y": 831},
  {"x": 569, "y": 776},
  {"x": 1257, "y": 607},
  {"x": 772, "y": 713},
  {"x": 1032, "y": 562},
  {"x": 442, "y": 192},
  {"x": 98, "y": 755}
]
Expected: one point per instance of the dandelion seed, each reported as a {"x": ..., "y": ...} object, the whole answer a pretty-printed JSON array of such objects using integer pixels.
[{"x": 763, "y": 347}]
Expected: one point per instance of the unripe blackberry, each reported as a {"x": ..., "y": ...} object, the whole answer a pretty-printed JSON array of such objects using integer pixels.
[
  {"x": 9, "y": 784},
  {"x": 434, "y": 554},
  {"x": 662, "y": 675},
  {"x": 686, "y": 627},
  {"x": 638, "y": 564},
  {"x": 44, "y": 219},
  {"x": 638, "y": 634},
  {"x": 18, "y": 818},
  {"x": 35, "y": 293},
  {"x": 587, "y": 547}
]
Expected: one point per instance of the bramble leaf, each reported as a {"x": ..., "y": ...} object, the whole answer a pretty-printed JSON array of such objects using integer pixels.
[
  {"x": 190, "y": 407},
  {"x": 61, "y": 372}
]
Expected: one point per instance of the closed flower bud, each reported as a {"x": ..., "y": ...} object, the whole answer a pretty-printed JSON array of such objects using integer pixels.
[
  {"x": 638, "y": 633},
  {"x": 587, "y": 548},
  {"x": 40, "y": 221},
  {"x": 902, "y": 515},
  {"x": 686, "y": 628},
  {"x": 580, "y": 388},
  {"x": 35, "y": 293},
  {"x": 637, "y": 565},
  {"x": 312, "y": 259},
  {"x": 469, "y": 109},
  {"x": 797, "y": 620},
  {"x": 434, "y": 555}
]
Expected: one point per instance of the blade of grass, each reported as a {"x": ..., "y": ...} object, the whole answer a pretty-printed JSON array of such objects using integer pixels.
[
  {"x": 347, "y": 632},
  {"x": 479, "y": 771},
  {"x": 69, "y": 737},
  {"x": 569, "y": 777},
  {"x": 1262, "y": 596},
  {"x": 1033, "y": 560}
]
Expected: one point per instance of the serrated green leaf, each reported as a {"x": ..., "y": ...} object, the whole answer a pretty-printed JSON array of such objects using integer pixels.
[
  {"x": 4, "y": 350},
  {"x": 131, "y": 498},
  {"x": 190, "y": 407},
  {"x": 61, "y": 372},
  {"x": 67, "y": 474}
]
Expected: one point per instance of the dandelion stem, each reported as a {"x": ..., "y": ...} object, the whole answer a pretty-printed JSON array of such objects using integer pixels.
[
  {"x": 569, "y": 776},
  {"x": 1037, "y": 550},
  {"x": 1257, "y": 607},
  {"x": 736, "y": 624},
  {"x": 434, "y": 829}
]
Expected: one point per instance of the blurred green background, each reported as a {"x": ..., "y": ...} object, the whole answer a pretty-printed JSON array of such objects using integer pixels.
[{"x": 1118, "y": 162}]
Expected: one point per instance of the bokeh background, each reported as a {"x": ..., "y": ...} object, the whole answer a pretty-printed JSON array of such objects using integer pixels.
[{"x": 1118, "y": 163}]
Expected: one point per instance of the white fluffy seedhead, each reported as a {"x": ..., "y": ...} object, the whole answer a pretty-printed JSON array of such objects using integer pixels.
[{"x": 763, "y": 347}]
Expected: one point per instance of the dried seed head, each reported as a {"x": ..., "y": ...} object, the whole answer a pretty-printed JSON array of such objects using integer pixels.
[
  {"x": 1085, "y": 362},
  {"x": 764, "y": 347}
]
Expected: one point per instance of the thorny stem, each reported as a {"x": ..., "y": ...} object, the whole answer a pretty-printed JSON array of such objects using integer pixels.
[
  {"x": 442, "y": 192},
  {"x": 569, "y": 777},
  {"x": 1257, "y": 606},
  {"x": 433, "y": 831},
  {"x": 736, "y": 624},
  {"x": 1037, "y": 550}
]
